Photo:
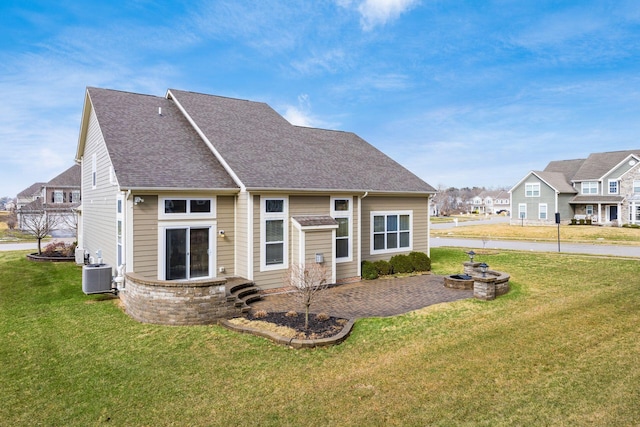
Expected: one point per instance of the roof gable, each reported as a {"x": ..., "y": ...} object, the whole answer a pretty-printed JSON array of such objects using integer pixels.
[
  {"x": 267, "y": 152},
  {"x": 69, "y": 178},
  {"x": 152, "y": 145},
  {"x": 597, "y": 165}
]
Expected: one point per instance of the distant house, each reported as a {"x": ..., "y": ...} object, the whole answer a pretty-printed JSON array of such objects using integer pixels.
[
  {"x": 57, "y": 198},
  {"x": 604, "y": 188},
  {"x": 192, "y": 186},
  {"x": 491, "y": 202}
]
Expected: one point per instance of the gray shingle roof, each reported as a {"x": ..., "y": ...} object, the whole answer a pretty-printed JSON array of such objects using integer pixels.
[
  {"x": 149, "y": 150},
  {"x": 267, "y": 152},
  {"x": 32, "y": 190},
  {"x": 596, "y": 199},
  {"x": 598, "y": 164},
  {"x": 72, "y": 177},
  {"x": 557, "y": 180},
  {"x": 566, "y": 167}
]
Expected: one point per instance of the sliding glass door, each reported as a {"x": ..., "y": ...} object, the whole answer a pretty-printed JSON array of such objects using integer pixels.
[{"x": 187, "y": 253}]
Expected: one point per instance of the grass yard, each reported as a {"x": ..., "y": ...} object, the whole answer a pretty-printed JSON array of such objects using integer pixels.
[
  {"x": 568, "y": 233},
  {"x": 562, "y": 349}
]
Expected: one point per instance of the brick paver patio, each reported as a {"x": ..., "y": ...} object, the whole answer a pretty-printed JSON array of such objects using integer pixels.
[{"x": 372, "y": 298}]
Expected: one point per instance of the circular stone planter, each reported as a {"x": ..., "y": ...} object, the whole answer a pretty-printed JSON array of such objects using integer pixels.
[
  {"x": 45, "y": 258},
  {"x": 293, "y": 342}
]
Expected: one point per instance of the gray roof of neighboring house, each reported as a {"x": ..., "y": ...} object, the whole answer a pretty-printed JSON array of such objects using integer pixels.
[
  {"x": 567, "y": 167},
  {"x": 152, "y": 150},
  {"x": 596, "y": 199},
  {"x": 598, "y": 164},
  {"x": 267, "y": 152},
  {"x": 33, "y": 189},
  {"x": 557, "y": 180},
  {"x": 72, "y": 177}
]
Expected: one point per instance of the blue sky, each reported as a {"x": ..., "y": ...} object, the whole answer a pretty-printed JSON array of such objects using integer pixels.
[{"x": 462, "y": 93}]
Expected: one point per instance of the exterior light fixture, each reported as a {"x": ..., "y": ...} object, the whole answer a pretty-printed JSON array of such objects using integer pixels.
[
  {"x": 483, "y": 268},
  {"x": 471, "y": 255},
  {"x": 221, "y": 233},
  {"x": 137, "y": 200}
]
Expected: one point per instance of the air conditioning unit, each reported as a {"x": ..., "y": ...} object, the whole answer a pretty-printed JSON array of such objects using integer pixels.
[{"x": 96, "y": 279}]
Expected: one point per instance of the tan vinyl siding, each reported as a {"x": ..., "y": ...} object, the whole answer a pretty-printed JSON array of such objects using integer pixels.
[
  {"x": 319, "y": 242},
  {"x": 145, "y": 237},
  {"x": 99, "y": 204},
  {"x": 225, "y": 245},
  {"x": 309, "y": 205},
  {"x": 420, "y": 232},
  {"x": 242, "y": 236}
]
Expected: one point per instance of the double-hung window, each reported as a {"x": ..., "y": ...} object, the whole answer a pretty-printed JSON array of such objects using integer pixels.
[
  {"x": 522, "y": 211},
  {"x": 542, "y": 211},
  {"x": 274, "y": 232},
  {"x": 636, "y": 187},
  {"x": 532, "y": 189},
  {"x": 341, "y": 211},
  {"x": 58, "y": 196},
  {"x": 613, "y": 186},
  {"x": 590, "y": 187},
  {"x": 391, "y": 231}
]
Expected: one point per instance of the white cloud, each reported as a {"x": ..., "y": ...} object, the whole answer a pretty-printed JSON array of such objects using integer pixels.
[{"x": 378, "y": 12}]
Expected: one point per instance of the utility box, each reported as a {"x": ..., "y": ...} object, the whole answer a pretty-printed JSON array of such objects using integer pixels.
[{"x": 96, "y": 279}]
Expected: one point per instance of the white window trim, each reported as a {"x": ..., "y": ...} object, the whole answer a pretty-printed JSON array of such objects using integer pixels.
[
  {"x": 636, "y": 185},
  {"x": 586, "y": 209},
  {"x": 583, "y": 188},
  {"x": 611, "y": 181},
  {"x": 57, "y": 199},
  {"x": 521, "y": 210},
  {"x": 264, "y": 216},
  {"x": 186, "y": 216},
  {"x": 343, "y": 214},
  {"x": 162, "y": 243},
  {"x": 373, "y": 214},
  {"x": 530, "y": 187},
  {"x": 120, "y": 198},
  {"x": 546, "y": 211}
]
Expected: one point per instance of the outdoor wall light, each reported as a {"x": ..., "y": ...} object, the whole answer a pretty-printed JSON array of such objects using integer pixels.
[
  {"x": 319, "y": 258},
  {"x": 137, "y": 200},
  {"x": 471, "y": 255},
  {"x": 483, "y": 268},
  {"x": 221, "y": 233}
]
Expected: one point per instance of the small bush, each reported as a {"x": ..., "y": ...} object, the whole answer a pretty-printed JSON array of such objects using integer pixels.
[
  {"x": 260, "y": 314},
  {"x": 420, "y": 261},
  {"x": 369, "y": 271},
  {"x": 322, "y": 317},
  {"x": 382, "y": 267},
  {"x": 291, "y": 313},
  {"x": 401, "y": 264},
  {"x": 59, "y": 249}
]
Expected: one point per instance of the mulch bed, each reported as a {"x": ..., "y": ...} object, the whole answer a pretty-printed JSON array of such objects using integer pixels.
[{"x": 317, "y": 328}]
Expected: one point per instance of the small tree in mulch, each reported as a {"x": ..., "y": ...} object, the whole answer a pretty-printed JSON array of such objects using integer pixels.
[{"x": 307, "y": 281}]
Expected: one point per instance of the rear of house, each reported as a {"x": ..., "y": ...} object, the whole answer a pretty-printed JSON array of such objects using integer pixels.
[{"x": 192, "y": 187}]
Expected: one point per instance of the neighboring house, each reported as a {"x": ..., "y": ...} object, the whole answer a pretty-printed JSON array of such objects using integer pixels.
[
  {"x": 192, "y": 186},
  {"x": 490, "y": 202},
  {"x": 58, "y": 199},
  {"x": 603, "y": 188}
]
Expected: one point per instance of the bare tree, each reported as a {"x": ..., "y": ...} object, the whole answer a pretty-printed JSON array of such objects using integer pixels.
[
  {"x": 307, "y": 282},
  {"x": 37, "y": 222},
  {"x": 12, "y": 220}
]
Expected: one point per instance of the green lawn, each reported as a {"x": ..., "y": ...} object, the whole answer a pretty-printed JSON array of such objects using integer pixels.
[{"x": 563, "y": 348}]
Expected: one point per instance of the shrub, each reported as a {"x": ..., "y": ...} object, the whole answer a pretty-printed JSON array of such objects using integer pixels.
[
  {"x": 291, "y": 313},
  {"x": 369, "y": 271},
  {"x": 322, "y": 317},
  {"x": 382, "y": 267},
  {"x": 59, "y": 249},
  {"x": 260, "y": 314},
  {"x": 401, "y": 264},
  {"x": 420, "y": 261}
]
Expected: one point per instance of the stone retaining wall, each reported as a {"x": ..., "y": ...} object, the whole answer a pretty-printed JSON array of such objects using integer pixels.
[{"x": 175, "y": 303}]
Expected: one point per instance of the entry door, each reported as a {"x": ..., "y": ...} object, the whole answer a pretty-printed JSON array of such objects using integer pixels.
[
  {"x": 187, "y": 253},
  {"x": 613, "y": 213}
]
